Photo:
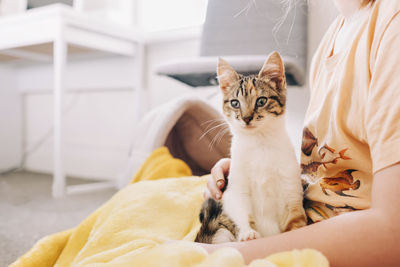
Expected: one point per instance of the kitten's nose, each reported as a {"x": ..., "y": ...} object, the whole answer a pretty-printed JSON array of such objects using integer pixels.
[{"x": 248, "y": 119}]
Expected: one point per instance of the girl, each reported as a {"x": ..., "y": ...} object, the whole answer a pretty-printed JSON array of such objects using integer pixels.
[{"x": 351, "y": 144}]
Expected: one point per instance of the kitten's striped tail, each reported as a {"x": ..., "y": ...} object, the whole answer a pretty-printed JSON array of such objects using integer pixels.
[{"x": 216, "y": 227}]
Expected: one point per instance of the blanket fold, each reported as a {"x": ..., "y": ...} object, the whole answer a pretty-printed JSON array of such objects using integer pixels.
[{"x": 130, "y": 229}]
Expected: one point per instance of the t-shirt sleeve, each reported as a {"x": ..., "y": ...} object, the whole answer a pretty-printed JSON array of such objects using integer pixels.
[{"x": 382, "y": 117}]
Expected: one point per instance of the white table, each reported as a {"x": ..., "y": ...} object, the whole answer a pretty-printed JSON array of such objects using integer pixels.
[{"x": 52, "y": 33}]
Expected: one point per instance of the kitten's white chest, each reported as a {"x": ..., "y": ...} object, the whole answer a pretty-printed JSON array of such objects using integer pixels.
[
  {"x": 265, "y": 169},
  {"x": 266, "y": 200}
]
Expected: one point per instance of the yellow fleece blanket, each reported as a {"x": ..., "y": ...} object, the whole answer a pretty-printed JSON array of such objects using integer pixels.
[{"x": 161, "y": 204}]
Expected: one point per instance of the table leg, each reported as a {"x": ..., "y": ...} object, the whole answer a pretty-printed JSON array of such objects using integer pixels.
[
  {"x": 140, "y": 100},
  {"x": 59, "y": 63}
]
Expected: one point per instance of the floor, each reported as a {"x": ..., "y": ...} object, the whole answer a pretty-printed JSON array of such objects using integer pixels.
[{"x": 28, "y": 212}]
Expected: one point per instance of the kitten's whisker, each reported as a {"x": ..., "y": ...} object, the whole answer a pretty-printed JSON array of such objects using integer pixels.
[
  {"x": 213, "y": 120},
  {"x": 211, "y": 123},
  {"x": 213, "y": 140},
  {"x": 218, "y": 137},
  {"x": 211, "y": 129},
  {"x": 222, "y": 135},
  {"x": 210, "y": 145}
]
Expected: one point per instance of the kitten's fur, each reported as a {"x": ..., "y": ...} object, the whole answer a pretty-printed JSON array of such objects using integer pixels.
[{"x": 264, "y": 194}]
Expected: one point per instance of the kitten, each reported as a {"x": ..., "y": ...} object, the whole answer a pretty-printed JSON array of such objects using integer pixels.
[{"x": 264, "y": 195}]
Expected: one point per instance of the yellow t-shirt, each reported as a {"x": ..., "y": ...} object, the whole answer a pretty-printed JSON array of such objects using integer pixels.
[{"x": 352, "y": 125}]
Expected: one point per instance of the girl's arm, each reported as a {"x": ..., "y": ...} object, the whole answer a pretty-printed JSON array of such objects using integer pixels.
[{"x": 361, "y": 238}]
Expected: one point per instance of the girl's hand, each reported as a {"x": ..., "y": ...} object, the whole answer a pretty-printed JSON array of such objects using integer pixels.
[{"x": 218, "y": 179}]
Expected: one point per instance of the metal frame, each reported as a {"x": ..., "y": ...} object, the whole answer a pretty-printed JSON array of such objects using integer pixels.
[{"x": 61, "y": 25}]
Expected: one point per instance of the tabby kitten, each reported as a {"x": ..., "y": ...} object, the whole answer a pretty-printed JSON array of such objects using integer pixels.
[{"x": 264, "y": 194}]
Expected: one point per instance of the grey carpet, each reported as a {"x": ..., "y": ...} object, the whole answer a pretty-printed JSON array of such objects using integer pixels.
[{"x": 28, "y": 212}]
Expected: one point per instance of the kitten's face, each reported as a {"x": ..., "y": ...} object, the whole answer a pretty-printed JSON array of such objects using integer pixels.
[{"x": 251, "y": 103}]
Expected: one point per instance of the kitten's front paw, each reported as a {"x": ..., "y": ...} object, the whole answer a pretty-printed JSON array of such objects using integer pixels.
[{"x": 249, "y": 235}]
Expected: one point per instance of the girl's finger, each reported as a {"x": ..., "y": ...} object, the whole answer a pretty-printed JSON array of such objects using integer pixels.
[{"x": 214, "y": 190}]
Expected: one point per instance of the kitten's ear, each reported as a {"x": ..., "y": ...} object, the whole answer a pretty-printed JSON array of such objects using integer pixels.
[
  {"x": 226, "y": 75},
  {"x": 273, "y": 69}
]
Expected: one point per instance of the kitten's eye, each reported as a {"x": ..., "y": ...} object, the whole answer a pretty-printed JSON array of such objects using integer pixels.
[
  {"x": 235, "y": 103},
  {"x": 261, "y": 101}
]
